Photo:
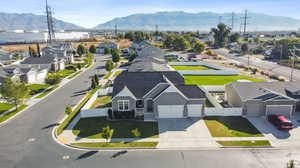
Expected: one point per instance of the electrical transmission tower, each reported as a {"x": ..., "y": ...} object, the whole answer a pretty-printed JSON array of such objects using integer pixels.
[
  {"x": 50, "y": 23},
  {"x": 245, "y": 22}
]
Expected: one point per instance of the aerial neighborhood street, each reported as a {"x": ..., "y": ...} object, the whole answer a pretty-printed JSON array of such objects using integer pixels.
[{"x": 128, "y": 93}]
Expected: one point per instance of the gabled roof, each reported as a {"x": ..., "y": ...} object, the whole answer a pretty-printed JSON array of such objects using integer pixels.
[
  {"x": 264, "y": 90},
  {"x": 191, "y": 91},
  {"x": 140, "y": 83}
]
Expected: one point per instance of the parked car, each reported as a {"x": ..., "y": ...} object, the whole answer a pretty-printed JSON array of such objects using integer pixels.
[{"x": 280, "y": 122}]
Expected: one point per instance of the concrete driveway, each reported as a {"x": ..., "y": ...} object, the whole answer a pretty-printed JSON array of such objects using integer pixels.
[
  {"x": 276, "y": 137},
  {"x": 184, "y": 133}
]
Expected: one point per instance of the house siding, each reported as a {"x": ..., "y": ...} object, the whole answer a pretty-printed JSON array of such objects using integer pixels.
[{"x": 116, "y": 99}]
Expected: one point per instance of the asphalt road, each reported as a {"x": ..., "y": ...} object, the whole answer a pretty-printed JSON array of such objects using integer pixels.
[
  {"x": 262, "y": 64},
  {"x": 26, "y": 142}
]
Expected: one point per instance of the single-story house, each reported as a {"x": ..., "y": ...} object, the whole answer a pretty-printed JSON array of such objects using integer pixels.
[
  {"x": 160, "y": 94},
  {"x": 28, "y": 74},
  {"x": 261, "y": 99},
  {"x": 110, "y": 45}
]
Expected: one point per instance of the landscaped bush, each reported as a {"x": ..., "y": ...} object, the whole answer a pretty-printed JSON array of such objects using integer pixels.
[
  {"x": 53, "y": 79},
  {"x": 110, "y": 114}
]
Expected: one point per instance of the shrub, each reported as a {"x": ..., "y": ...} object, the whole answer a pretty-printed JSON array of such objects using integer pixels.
[
  {"x": 68, "y": 110},
  {"x": 110, "y": 113},
  {"x": 53, "y": 79},
  {"x": 136, "y": 133}
]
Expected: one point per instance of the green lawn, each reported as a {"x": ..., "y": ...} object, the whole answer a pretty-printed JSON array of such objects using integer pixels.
[
  {"x": 11, "y": 114},
  {"x": 48, "y": 91},
  {"x": 194, "y": 68},
  {"x": 36, "y": 88},
  {"x": 231, "y": 127},
  {"x": 108, "y": 75},
  {"x": 5, "y": 107},
  {"x": 216, "y": 80},
  {"x": 91, "y": 128},
  {"x": 66, "y": 72},
  {"x": 117, "y": 145},
  {"x": 244, "y": 143},
  {"x": 74, "y": 74},
  {"x": 117, "y": 73},
  {"x": 101, "y": 102}
]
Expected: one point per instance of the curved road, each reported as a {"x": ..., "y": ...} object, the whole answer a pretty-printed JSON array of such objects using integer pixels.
[{"x": 26, "y": 142}]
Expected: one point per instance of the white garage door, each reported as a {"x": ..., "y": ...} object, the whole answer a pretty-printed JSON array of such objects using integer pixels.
[
  {"x": 195, "y": 110},
  {"x": 170, "y": 111},
  {"x": 285, "y": 110}
]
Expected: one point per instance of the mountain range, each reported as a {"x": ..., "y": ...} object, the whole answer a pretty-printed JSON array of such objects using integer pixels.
[
  {"x": 28, "y": 21},
  {"x": 200, "y": 21}
]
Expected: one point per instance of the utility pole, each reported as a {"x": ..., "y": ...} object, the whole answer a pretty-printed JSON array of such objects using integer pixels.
[
  {"x": 50, "y": 24},
  {"x": 245, "y": 22},
  {"x": 292, "y": 60},
  {"x": 232, "y": 21},
  {"x": 116, "y": 30}
]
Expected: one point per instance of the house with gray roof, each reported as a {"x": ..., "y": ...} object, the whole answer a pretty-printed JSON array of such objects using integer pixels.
[
  {"x": 60, "y": 50},
  {"x": 156, "y": 94},
  {"x": 27, "y": 73},
  {"x": 110, "y": 45},
  {"x": 261, "y": 99},
  {"x": 5, "y": 57},
  {"x": 150, "y": 59}
]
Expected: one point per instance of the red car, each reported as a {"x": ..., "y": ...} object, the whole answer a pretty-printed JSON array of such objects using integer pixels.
[{"x": 281, "y": 122}]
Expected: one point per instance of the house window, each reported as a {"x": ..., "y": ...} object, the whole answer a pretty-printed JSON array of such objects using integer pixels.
[
  {"x": 139, "y": 104},
  {"x": 123, "y": 105}
]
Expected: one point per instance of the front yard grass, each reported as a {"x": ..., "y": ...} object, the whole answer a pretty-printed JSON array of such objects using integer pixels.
[
  {"x": 48, "y": 91},
  {"x": 36, "y": 89},
  {"x": 108, "y": 75},
  {"x": 244, "y": 143},
  {"x": 101, "y": 102},
  {"x": 194, "y": 68},
  {"x": 117, "y": 145},
  {"x": 117, "y": 73},
  {"x": 11, "y": 114},
  {"x": 92, "y": 127},
  {"x": 5, "y": 107},
  {"x": 231, "y": 127},
  {"x": 217, "y": 80}
]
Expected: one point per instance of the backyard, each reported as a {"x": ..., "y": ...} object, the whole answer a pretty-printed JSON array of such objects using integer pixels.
[
  {"x": 217, "y": 80},
  {"x": 194, "y": 68},
  {"x": 92, "y": 127},
  {"x": 231, "y": 127},
  {"x": 101, "y": 102}
]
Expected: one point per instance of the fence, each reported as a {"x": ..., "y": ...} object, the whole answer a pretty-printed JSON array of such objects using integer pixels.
[
  {"x": 101, "y": 112},
  {"x": 223, "y": 112},
  {"x": 214, "y": 88}
]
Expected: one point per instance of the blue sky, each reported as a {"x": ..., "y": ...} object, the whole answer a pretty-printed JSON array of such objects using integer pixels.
[{"x": 89, "y": 13}]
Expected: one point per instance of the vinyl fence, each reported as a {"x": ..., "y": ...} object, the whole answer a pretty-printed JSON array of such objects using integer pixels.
[
  {"x": 223, "y": 112},
  {"x": 101, "y": 112}
]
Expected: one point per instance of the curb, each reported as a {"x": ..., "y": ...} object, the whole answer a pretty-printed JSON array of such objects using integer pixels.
[{"x": 39, "y": 100}]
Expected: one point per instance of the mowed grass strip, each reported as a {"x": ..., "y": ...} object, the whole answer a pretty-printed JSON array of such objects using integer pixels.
[
  {"x": 231, "y": 127},
  {"x": 216, "y": 80},
  {"x": 11, "y": 114},
  {"x": 91, "y": 128},
  {"x": 117, "y": 145},
  {"x": 245, "y": 143},
  {"x": 193, "y": 68},
  {"x": 48, "y": 91},
  {"x": 5, "y": 107}
]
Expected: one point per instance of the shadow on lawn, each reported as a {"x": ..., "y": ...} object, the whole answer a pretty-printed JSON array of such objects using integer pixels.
[{"x": 236, "y": 123}]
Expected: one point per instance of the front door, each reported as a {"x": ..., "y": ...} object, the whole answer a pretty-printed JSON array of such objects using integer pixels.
[{"x": 150, "y": 106}]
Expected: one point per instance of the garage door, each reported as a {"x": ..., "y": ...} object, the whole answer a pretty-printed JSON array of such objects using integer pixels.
[
  {"x": 253, "y": 110},
  {"x": 170, "y": 111},
  {"x": 285, "y": 110},
  {"x": 194, "y": 110}
]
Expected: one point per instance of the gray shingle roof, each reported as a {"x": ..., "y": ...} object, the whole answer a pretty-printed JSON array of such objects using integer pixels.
[
  {"x": 140, "y": 83},
  {"x": 252, "y": 90}
]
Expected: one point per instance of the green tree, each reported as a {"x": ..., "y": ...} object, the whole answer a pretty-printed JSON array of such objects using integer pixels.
[
  {"x": 221, "y": 34},
  {"x": 93, "y": 83},
  {"x": 136, "y": 133},
  {"x": 116, "y": 55},
  {"x": 38, "y": 50},
  {"x": 234, "y": 37},
  {"x": 107, "y": 51},
  {"x": 79, "y": 66},
  {"x": 168, "y": 43},
  {"x": 199, "y": 47},
  {"x": 107, "y": 133},
  {"x": 133, "y": 55},
  {"x": 245, "y": 48},
  {"x": 180, "y": 43},
  {"x": 14, "y": 91},
  {"x": 96, "y": 77},
  {"x": 32, "y": 52},
  {"x": 81, "y": 50},
  {"x": 68, "y": 110},
  {"x": 291, "y": 164},
  {"x": 92, "y": 49},
  {"x": 109, "y": 65}
]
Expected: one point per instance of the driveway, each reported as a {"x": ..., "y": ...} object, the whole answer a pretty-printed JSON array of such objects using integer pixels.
[
  {"x": 184, "y": 133},
  {"x": 276, "y": 137}
]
